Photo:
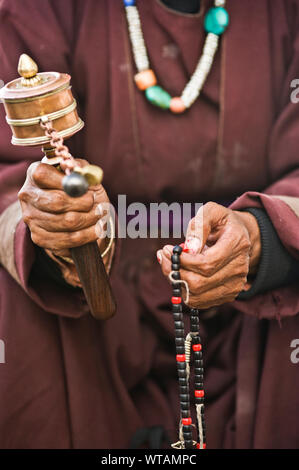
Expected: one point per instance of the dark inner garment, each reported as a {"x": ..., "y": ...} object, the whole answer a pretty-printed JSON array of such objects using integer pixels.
[{"x": 185, "y": 6}]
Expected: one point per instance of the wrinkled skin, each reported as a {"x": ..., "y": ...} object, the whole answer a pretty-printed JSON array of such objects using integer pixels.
[
  {"x": 56, "y": 221},
  {"x": 223, "y": 248}
]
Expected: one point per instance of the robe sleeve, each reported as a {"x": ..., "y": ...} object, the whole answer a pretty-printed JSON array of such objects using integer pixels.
[
  {"x": 44, "y": 33},
  {"x": 281, "y": 199}
]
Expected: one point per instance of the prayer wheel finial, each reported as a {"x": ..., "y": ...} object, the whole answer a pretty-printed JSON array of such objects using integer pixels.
[{"x": 28, "y": 70}]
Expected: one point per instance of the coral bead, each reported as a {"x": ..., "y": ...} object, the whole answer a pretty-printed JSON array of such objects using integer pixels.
[
  {"x": 177, "y": 105},
  {"x": 216, "y": 20},
  {"x": 145, "y": 79}
]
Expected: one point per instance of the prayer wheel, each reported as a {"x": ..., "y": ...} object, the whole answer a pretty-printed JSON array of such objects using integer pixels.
[{"x": 41, "y": 111}]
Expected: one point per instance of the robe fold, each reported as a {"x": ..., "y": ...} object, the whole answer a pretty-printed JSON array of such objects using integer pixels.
[{"x": 71, "y": 382}]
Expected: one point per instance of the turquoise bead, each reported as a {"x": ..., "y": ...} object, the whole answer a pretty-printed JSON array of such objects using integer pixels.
[
  {"x": 216, "y": 20},
  {"x": 158, "y": 97}
]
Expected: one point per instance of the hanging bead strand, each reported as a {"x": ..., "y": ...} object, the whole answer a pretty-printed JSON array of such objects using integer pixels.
[
  {"x": 186, "y": 422},
  {"x": 198, "y": 375}
]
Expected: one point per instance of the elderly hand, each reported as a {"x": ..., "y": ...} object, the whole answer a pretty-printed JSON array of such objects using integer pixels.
[
  {"x": 56, "y": 221},
  {"x": 222, "y": 248}
]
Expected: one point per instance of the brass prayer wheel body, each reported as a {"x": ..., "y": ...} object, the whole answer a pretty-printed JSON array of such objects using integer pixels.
[{"x": 44, "y": 96}]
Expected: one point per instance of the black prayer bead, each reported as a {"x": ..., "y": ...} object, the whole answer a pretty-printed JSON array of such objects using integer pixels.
[
  {"x": 187, "y": 429},
  {"x": 175, "y": 258},
  {"x": 177, "y": 250},
  {"x": 196, "y": 339},
  {"x": 199, "y": 371},
  {"x": 181, "y": 365},
  {"x": 194, "y": 312},
  {"x": 184, "y": 406},
  {"x": 198, "y": 363},
  {"x": 198, "y": 378},
  {"x": 194, "y": 328},
  {"x": 198, "y": 386},
  {"x": 189, "y": 444},
  {"x": 177, "y": 308},
  {"x": 184, "y": 390},
  {"x": 177, "y": 316},
  {"x": 185, "y": 413},
  {"x": 183, "y": 381},
  {"x": 197, "y": 355},
  {"x": 176, "y": 276},
  {"x": 180, "y": 341},
  {"x": 176, "y": 292},
  {"x": 184, "y": 398},
  {"x": 175, "y": 267},
  {"x": 180, "y": 349},
  {"x": 180, "y": 333},
  {"x": 199, "y": 401},
  {"x": 181, "y": 373},
  {"x": 178, "y": 325}
]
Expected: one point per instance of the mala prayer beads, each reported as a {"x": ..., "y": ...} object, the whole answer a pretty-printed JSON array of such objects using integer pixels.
[
  {"x": 215, "y": 23},
  {"x": 184, "y": 348}
]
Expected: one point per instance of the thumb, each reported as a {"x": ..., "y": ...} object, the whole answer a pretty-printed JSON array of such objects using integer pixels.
[{"x": 200, "y": 227}]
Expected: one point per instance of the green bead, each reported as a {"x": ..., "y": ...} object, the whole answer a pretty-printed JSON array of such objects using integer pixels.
[
  {"x": 158, "y": 97},
  {"x": 216, "y": 20}
]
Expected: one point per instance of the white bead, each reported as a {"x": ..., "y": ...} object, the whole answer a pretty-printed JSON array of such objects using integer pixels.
[{"x": 219, "y": 3}]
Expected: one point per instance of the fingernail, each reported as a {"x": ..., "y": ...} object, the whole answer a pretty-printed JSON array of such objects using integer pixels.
[
  {"x": 159, "y": 256},
  {"x": 192, "y": 245}
]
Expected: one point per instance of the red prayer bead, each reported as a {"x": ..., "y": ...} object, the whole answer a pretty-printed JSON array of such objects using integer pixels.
[
  {"x": 186, "y": 421},
  {"x": 176, "y": 300},
  {"x": 204, "y": 446},
  {"x": 196, "y": 347},
  {"x": 181, "y": 357},
  {"x": 199, "y": 393}
]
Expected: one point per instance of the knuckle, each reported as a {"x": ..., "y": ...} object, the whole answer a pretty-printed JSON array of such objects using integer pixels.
[
  {"x": 76, "y": 239},
  {"x": 246, "y": 245},
  {"x": 208, "y": 269},
  {"x": 39, "y": 172},
  {"x": 71, "y": 219},
  {"x": 193, "y": 282},
  {"x": 58, "y": 200}
]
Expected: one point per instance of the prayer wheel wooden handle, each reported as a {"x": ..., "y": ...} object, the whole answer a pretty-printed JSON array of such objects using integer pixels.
[{"x": 95, "y": 281}]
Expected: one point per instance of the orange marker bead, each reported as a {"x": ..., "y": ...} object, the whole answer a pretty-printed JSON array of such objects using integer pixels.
[
  {"x": 177, "y": 105},
  {"x": 145, "y": 79}
]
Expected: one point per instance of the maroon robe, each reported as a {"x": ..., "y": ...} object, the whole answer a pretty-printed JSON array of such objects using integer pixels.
[{"x": 72, "y": 382}]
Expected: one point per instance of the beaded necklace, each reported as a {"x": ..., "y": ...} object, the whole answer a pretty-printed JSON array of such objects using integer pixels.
[
  {"x": 215, "y": 23},
  {"x": 184, "y": 348}
]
